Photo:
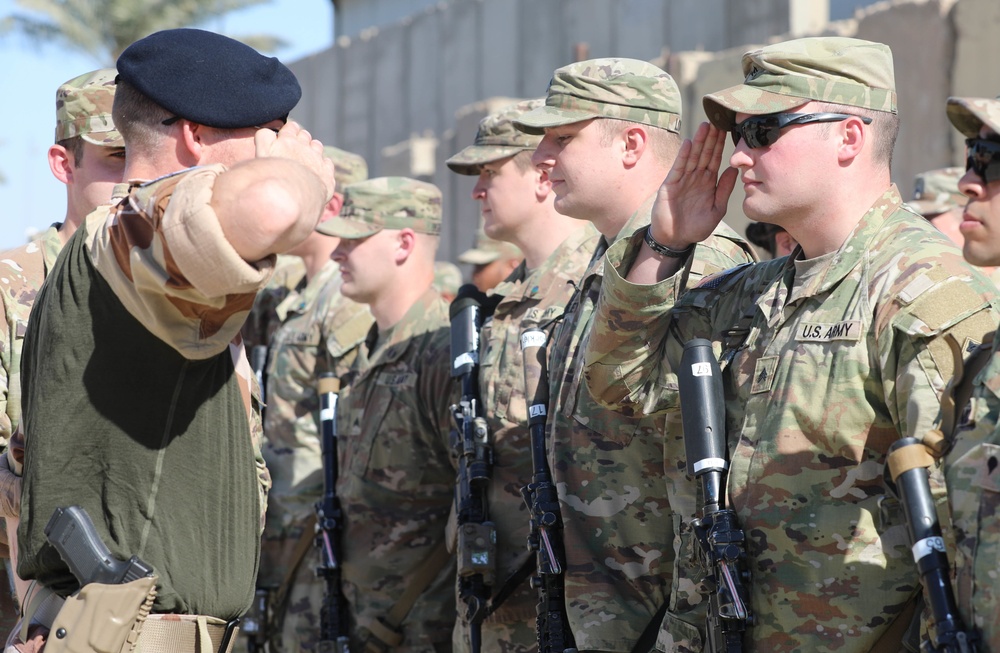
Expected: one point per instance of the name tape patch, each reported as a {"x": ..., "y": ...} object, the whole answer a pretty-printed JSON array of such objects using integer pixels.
[{"x": 825, "y": 332}]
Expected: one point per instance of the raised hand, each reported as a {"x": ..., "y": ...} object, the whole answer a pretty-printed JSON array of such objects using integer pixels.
[
  {"x": 693, "y": 198},
  {"x": 294, "y": 142}
]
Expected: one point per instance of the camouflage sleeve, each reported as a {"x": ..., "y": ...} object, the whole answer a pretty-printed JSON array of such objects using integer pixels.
[
  {"x": 626, "y": 355},
  {"x": 913, "y": 334},
  {"x": 166, "y": 258},
  {"x": 438, "y": 392},
  {"x": 7, "y": 333}
]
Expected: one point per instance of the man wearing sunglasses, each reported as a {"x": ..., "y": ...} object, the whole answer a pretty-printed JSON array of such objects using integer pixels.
[
  {"x": 828, "y": 357},
  {"x": 970, "y": 466}
]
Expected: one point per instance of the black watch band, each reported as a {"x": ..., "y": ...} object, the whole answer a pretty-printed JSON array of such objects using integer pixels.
[{"x": 662, "y": 249}]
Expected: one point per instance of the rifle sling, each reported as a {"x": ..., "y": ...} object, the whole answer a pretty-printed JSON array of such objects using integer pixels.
[
  {"x": 647, "y": 640},
  {"x": 512, "y": 583},
  {"x": 892, "y": 639},
  {"x": 298, "y": 555},
  {"x": 386, "y": 629}
]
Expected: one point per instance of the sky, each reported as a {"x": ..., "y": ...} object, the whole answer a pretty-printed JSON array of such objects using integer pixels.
[{"x": 31, "y": 198}]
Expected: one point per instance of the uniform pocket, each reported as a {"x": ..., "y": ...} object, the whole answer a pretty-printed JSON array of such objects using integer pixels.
[{"x": 678, "y": 636}]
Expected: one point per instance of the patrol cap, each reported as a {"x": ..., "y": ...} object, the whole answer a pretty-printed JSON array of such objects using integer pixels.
[
  {"x": 786, "y": 75},
  {"x": 447, "y": 278},
  {"x": 209, "y": 79},
  {"x": 969, "y": 114},
  {"x": 624, "y": 89},
  {"x": 83, "y": 108},
  {"x": 936, "y": 191},
  {"x": 349, "y": 168},
  {"x": 386, "y": 203},
  {"x": 497, "y": 139},
  {"x": 488, "y": 250}
]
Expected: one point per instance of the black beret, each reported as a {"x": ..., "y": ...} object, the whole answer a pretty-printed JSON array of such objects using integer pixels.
[{"x": 209, "y": 79}]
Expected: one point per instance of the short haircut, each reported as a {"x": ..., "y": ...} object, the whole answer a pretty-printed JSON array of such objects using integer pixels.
[
  {"x": 663, "y": 143},
  {"x": 138, "y": 118},
  {"x": 522, "y": 161},
  {"x": 73, "y": 144},
  {"x": 884, "y": 126}
]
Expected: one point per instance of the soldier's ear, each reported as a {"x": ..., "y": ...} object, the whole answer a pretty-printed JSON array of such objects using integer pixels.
[
  {"x": 61, "y": 163},
  {"x": 542, "y": 184},
  {"x": 406, "y": 244},
  {"x": 636, "y": 141},
  {"x": 333, "y": 207}
]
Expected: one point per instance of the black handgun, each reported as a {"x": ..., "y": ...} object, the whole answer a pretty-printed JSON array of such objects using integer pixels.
[{"x": 73, "y": 535}]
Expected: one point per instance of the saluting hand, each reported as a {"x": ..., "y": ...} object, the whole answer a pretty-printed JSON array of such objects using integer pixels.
[
  {"x": 693, "y": 198},
  {"x": 294, "y": 142}
]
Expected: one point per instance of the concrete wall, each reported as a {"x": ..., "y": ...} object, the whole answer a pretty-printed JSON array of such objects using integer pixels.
[{"x": 409, "y": 96}]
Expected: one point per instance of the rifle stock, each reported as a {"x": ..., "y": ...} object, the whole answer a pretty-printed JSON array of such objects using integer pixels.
[
  {"x": 722, "y": 542},
  {"x": 329, "y": 527},
  {"x": 947, "y": 633},
  {"x": 540, "y": 496},
  {"x": 476, "y": 550}
]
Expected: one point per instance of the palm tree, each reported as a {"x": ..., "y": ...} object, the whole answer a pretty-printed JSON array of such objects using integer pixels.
[{"x": 103, "y": 28}]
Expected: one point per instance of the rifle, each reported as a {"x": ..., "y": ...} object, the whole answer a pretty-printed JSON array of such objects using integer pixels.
[
  {"x": 723, "y": 544},
  {"x": 471, "y": 445},
  {"x": 908, "y": 468},
  {"x": 256, "y": 624},
  {"x": 545, "y": 536},
  {"x": 258, "y": 363},
  {"x": 333, "y": 617}
]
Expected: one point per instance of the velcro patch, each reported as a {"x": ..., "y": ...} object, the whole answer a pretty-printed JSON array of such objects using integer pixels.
[
  {"x": 396, "y": 379},
  {"x": 825, "y": 332},
  {"x": 763, "y": 374}
]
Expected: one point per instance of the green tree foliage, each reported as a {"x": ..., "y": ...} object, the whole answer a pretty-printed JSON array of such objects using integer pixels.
[{"x": 103, "y": 28}]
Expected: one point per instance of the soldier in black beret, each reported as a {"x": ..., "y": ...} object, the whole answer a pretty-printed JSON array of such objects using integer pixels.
[{"x": 140, "y": 405}]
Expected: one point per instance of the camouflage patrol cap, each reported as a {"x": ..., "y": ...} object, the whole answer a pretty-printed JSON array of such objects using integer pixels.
[
  {"x": 969, "y": 114},
  {"x": 488, "y": 250},
  {"x": 349, "y": 168},
  {"x": 447, "y": 278},
  {"x": 786, "y": 75},
  {"x": 936, "y": 191},
  {"x": 624, "y": 89},
  {"x": 497, "y": 139},
  {"x": 83, "y": 108},
  {"x": 386, "y": 203}
]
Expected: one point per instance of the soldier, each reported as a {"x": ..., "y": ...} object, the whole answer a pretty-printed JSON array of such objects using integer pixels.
[
  {"x": 138, "y": 399},
  {"x": 937, "y": 197},
  {"x": 610, "y": 135},
  {"x": 829, "y": 357},
  {"x": 89, "y": 158},
  {"x": 447, "y": 279},
  {"x": 396, "y": 477},
  {"x": 320, "y": 331},
  {"x": 492, "y": 260},
  {"x": 771, "y": 238},
  {"x": 970, "y": 466},
  {"x": 516, "y": 201}
]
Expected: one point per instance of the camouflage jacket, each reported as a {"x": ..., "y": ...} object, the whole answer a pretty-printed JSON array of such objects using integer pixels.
[
  {"x": 266, "y": 316},
  {"x": 22, "y": 271},
  {"x": 844, "y": 354},
  {"x": 396, "y": 480},
  {"x": 608, "y": 467},
  {"x": 135, "y": 335},
  {"x": 320, "y": 332},
  {"x": 974, "y": 496},
  {"x": 529, "y": 298}
]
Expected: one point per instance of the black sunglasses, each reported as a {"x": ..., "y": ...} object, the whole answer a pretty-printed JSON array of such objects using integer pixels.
[
  {"x": 983, "y": 158},
  {"x": 761, "y": 131}
]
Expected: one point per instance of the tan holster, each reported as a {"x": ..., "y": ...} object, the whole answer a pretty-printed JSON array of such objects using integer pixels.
[{"x": 102, "y": 618}]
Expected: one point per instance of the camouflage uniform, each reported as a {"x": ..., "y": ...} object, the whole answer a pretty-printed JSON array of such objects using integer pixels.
[
  {"x": 320, "y": 333},
  {"x": 289, "y": 278},
  {"x": 609, "y": 466},
  {"x": 836, "y": 358},
  {"x": 488, "y": 250},
  {"x": 447, "y": 278},
  {"x": 313, "y": 329},
  {"x": 396, "y": 475},
  {"x": 970, "y": 466}
]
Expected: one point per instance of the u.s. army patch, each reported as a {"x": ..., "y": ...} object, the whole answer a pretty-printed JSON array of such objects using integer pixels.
[
  {"x": 396, "y": 379},
  {"x": 825, "y": 332}
]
